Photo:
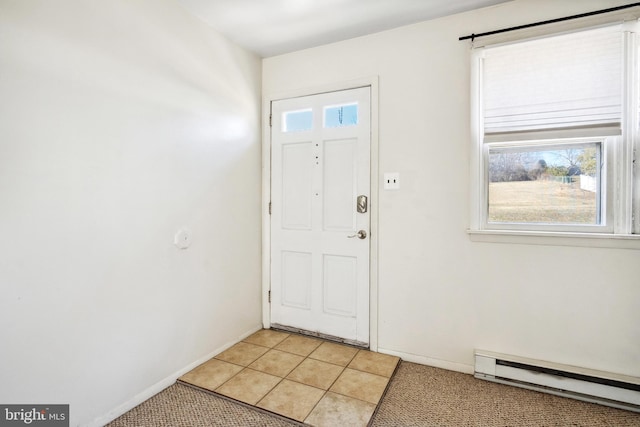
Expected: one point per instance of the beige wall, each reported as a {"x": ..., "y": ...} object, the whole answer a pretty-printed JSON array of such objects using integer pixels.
[
  {"x": 441, "y": 295},
  {"x": 121, "y": 122}
]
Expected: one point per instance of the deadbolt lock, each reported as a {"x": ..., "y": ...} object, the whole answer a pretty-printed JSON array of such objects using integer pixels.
[{"x": 362, "y": 204}]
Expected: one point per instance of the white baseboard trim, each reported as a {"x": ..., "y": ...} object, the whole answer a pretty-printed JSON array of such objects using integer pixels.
[
  {"x": 135, "y": 401},
  {"x": 428, "y": 361},
  {"x": 162, "y": 384}
]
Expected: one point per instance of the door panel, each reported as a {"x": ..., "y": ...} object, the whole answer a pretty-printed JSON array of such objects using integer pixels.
[
  {"x": 296, "y": 279},
  {"x": 340, "y": 275},
  {"x": 339, "y": 185},
  {"x": 297, "y": 181},
  {"x": 320, "y": 154}
]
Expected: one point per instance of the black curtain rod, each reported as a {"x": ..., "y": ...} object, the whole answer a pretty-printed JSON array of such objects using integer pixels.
[{"x": 551, "y": 21}]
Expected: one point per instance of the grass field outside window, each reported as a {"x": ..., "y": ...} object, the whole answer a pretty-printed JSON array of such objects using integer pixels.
[{"x": 541, "y": 201}]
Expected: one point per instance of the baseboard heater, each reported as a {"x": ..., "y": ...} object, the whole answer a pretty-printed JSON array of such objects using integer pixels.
[{"x": 619, "y": 391}]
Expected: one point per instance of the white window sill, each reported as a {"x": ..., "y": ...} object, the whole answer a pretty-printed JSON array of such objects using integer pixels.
[{"x": 590, "y": 240}]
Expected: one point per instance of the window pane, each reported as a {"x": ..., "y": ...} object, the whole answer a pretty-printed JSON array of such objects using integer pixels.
[
  {"x": 341, "y": 115},
  {"x": 550, "y": 185},
  {"x": 295, "y": 121}
]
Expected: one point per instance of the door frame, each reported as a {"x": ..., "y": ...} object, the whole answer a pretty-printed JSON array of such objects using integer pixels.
[{"x": 267, "y": 99}]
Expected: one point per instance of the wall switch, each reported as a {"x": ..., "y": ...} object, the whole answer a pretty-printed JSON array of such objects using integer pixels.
[{"x": 391, "y": 181}]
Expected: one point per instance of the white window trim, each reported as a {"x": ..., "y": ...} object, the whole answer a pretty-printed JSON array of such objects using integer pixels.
[
  {"x": 629, "y": 186},
  {"x": 623, "y": 185},
  {"x": 589, "y": 240}
]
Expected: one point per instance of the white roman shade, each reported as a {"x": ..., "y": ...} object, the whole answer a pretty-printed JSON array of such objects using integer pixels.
[{"x": 561, "y": 82}]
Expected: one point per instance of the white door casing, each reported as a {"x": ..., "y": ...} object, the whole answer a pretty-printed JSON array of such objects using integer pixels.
[{"x": 319, "y": 265}]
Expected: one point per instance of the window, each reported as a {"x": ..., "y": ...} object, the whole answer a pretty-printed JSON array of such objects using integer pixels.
[
  {"x": 556, "y": 184},
  {"x": 341, "y": 115},
  {"x": 556, "y": 124},
  {"x": 297, "y": 121},
  {"x": 333, "y": 116}
]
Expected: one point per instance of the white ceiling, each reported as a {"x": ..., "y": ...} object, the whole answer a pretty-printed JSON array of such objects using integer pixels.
[{"x": 273, "y": 27}]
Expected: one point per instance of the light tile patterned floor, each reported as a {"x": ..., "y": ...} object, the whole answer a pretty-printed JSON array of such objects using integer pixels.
[{"x": 310, "y": 380}]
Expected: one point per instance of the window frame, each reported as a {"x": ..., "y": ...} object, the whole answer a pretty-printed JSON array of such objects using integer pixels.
[{"x": 621, "y": 193}]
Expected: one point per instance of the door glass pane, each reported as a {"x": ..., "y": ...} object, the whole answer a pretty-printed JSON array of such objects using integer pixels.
[
  {"x": 341, "y": 115},
  {"x": 296, "y": 121},
  {"x": 550, "y": 185}
]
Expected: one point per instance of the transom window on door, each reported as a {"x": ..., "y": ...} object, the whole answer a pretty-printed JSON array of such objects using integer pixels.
[
  {"x": 333, "y": 116},
  {"x": 556, "y": 123},
  {"x": 297, "y": 121},
  {"x": 341, "y": 115}
]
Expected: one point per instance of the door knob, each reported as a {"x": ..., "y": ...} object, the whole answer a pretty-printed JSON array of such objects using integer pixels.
[{"x": 360, "y": 235}]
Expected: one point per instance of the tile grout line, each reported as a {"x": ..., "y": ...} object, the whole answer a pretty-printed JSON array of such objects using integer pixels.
[
  {"x": 244, "y": 368},
  {"x": 281, "y": 380},
  {"x": 377, "y": 404},
  {"x": 344, "y": 368},
  {"x": 276, "y": 385},
  {"x": 324, "y": 392},
  {"x": 285, "y": 377}
]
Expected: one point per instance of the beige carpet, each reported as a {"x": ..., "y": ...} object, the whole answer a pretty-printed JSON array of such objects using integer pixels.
[
  {"x": 185, "y": 406},
  {"x": 425, "y": 396},
  {"x": 418, "y": 396}
]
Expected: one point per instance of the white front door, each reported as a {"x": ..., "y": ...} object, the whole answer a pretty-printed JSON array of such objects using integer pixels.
[{"x": 320, "y": 193}]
